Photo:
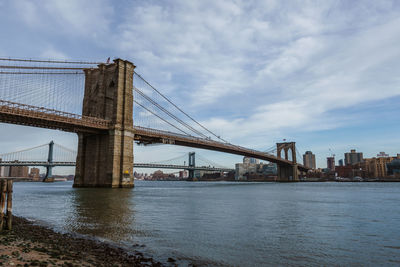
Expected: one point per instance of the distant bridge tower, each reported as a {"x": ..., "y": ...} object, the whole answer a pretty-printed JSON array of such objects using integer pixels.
[
  {"x": 192, "y": 163},
  {"x": 106, "y": 159},
  {"x": 287, "y": 173},
  {"x": 49, "y": 168}
]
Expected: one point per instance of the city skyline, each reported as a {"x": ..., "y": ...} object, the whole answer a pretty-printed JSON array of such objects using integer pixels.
[{"x": 252, "y": 79}]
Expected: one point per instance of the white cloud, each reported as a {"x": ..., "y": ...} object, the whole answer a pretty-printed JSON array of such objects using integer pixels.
[
  {"x": 250, "y": 70},
  {"x": 296, "y": 56},
  {"x": 28, "y": 12},
  {"x": 336, "y": 72},
  {"x": 51, "y": 53},
  {"x": 75, "y": 17},
  {"x": 306, "y": 59}
]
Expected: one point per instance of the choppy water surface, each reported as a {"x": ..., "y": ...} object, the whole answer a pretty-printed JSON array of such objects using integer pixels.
[{"x": 237, "y": 224}]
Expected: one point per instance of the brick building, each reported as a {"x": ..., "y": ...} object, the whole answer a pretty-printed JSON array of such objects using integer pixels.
[
  {"x": 34, "y": 174},
  {"x": 19, "y": 171}
]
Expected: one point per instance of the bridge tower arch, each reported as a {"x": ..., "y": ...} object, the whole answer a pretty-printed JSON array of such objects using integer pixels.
[
  {"x": 287, "y": 172},
  {"x": 106, "y": 159},
  {"x": 290, "y": 154}
]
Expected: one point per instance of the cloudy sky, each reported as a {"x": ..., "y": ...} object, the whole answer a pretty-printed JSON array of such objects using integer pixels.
[{"x": 325, "y": 74}]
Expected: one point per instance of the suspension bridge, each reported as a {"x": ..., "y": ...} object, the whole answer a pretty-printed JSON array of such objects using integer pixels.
[
  {"x": 54, "y": 155},
  {"x": 110, "y": 106}
]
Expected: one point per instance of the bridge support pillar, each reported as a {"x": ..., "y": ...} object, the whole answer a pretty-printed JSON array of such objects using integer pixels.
[
  {"x": 192, "y": 163},
  {"x": 49, "y": 169},
  {"x": 106, "y": 159},
  {"x": 288, "y": 173}
]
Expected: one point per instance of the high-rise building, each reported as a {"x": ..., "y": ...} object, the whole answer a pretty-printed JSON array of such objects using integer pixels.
[
  {"x": 19, "y": 171},
  {"x": 309, "y": 160},
  {"x": 353, "y": 157},
  {"x": 340, "y": 162},
  {"x": 250, "y": 160},
  {"x": 330, "y": 161}
]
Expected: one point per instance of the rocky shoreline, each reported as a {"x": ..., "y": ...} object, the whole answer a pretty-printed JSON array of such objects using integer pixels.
[{"x": 29, "y": 244}]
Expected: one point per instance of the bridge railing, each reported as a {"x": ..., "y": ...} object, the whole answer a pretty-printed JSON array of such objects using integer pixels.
[
  {"x": 38, "y": 163},
  {"x": 25, "y": 109},
  {"x": 171, "y": 166}
]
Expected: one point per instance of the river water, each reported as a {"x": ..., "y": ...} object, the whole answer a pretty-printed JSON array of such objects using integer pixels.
[{"x": 233, "y": 224}]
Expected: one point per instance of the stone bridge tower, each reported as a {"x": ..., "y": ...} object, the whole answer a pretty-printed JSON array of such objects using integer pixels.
[
  {"x": 106, "y": 159},
  {"x": 287, "y": 173}
]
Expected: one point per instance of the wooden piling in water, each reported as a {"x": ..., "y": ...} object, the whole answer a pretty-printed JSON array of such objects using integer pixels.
[
  {"x": 6, "y": 190},
  {"x": 3, "y": 189},
  {"x": 9, "y": 204}
]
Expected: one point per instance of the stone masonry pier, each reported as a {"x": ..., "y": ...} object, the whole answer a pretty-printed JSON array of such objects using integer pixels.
[{"x": 105, "y": 159}]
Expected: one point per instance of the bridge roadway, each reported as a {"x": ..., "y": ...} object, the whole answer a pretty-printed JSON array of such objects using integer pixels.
[
  {"x": 136, "y": 165},
  {"x": 21, "y": 114}
]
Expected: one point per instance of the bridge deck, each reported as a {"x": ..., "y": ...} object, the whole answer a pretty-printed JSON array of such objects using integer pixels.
[
  {"x": 136, "y": 165},
  {"x": 147, "y": 135},
  {"x": 37, "y": 163},
  {"x": 22, "y": 114}
]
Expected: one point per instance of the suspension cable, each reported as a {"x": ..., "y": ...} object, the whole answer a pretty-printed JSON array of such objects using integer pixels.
[
  {"x": 40, "y": 73},
  {"x": 23, "y": 150},
  {"x": 65, "y": 148},
  {"x": 38, "y": 68},
  {"x": 210, "y": 162},
  {"x": 169, "y": 101},
  {"x": 52, "y": 61},
  {"x": 169, "y": 160},
  {"x": 160, "y": 117},
  {"x": 169, "y": 113}
]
